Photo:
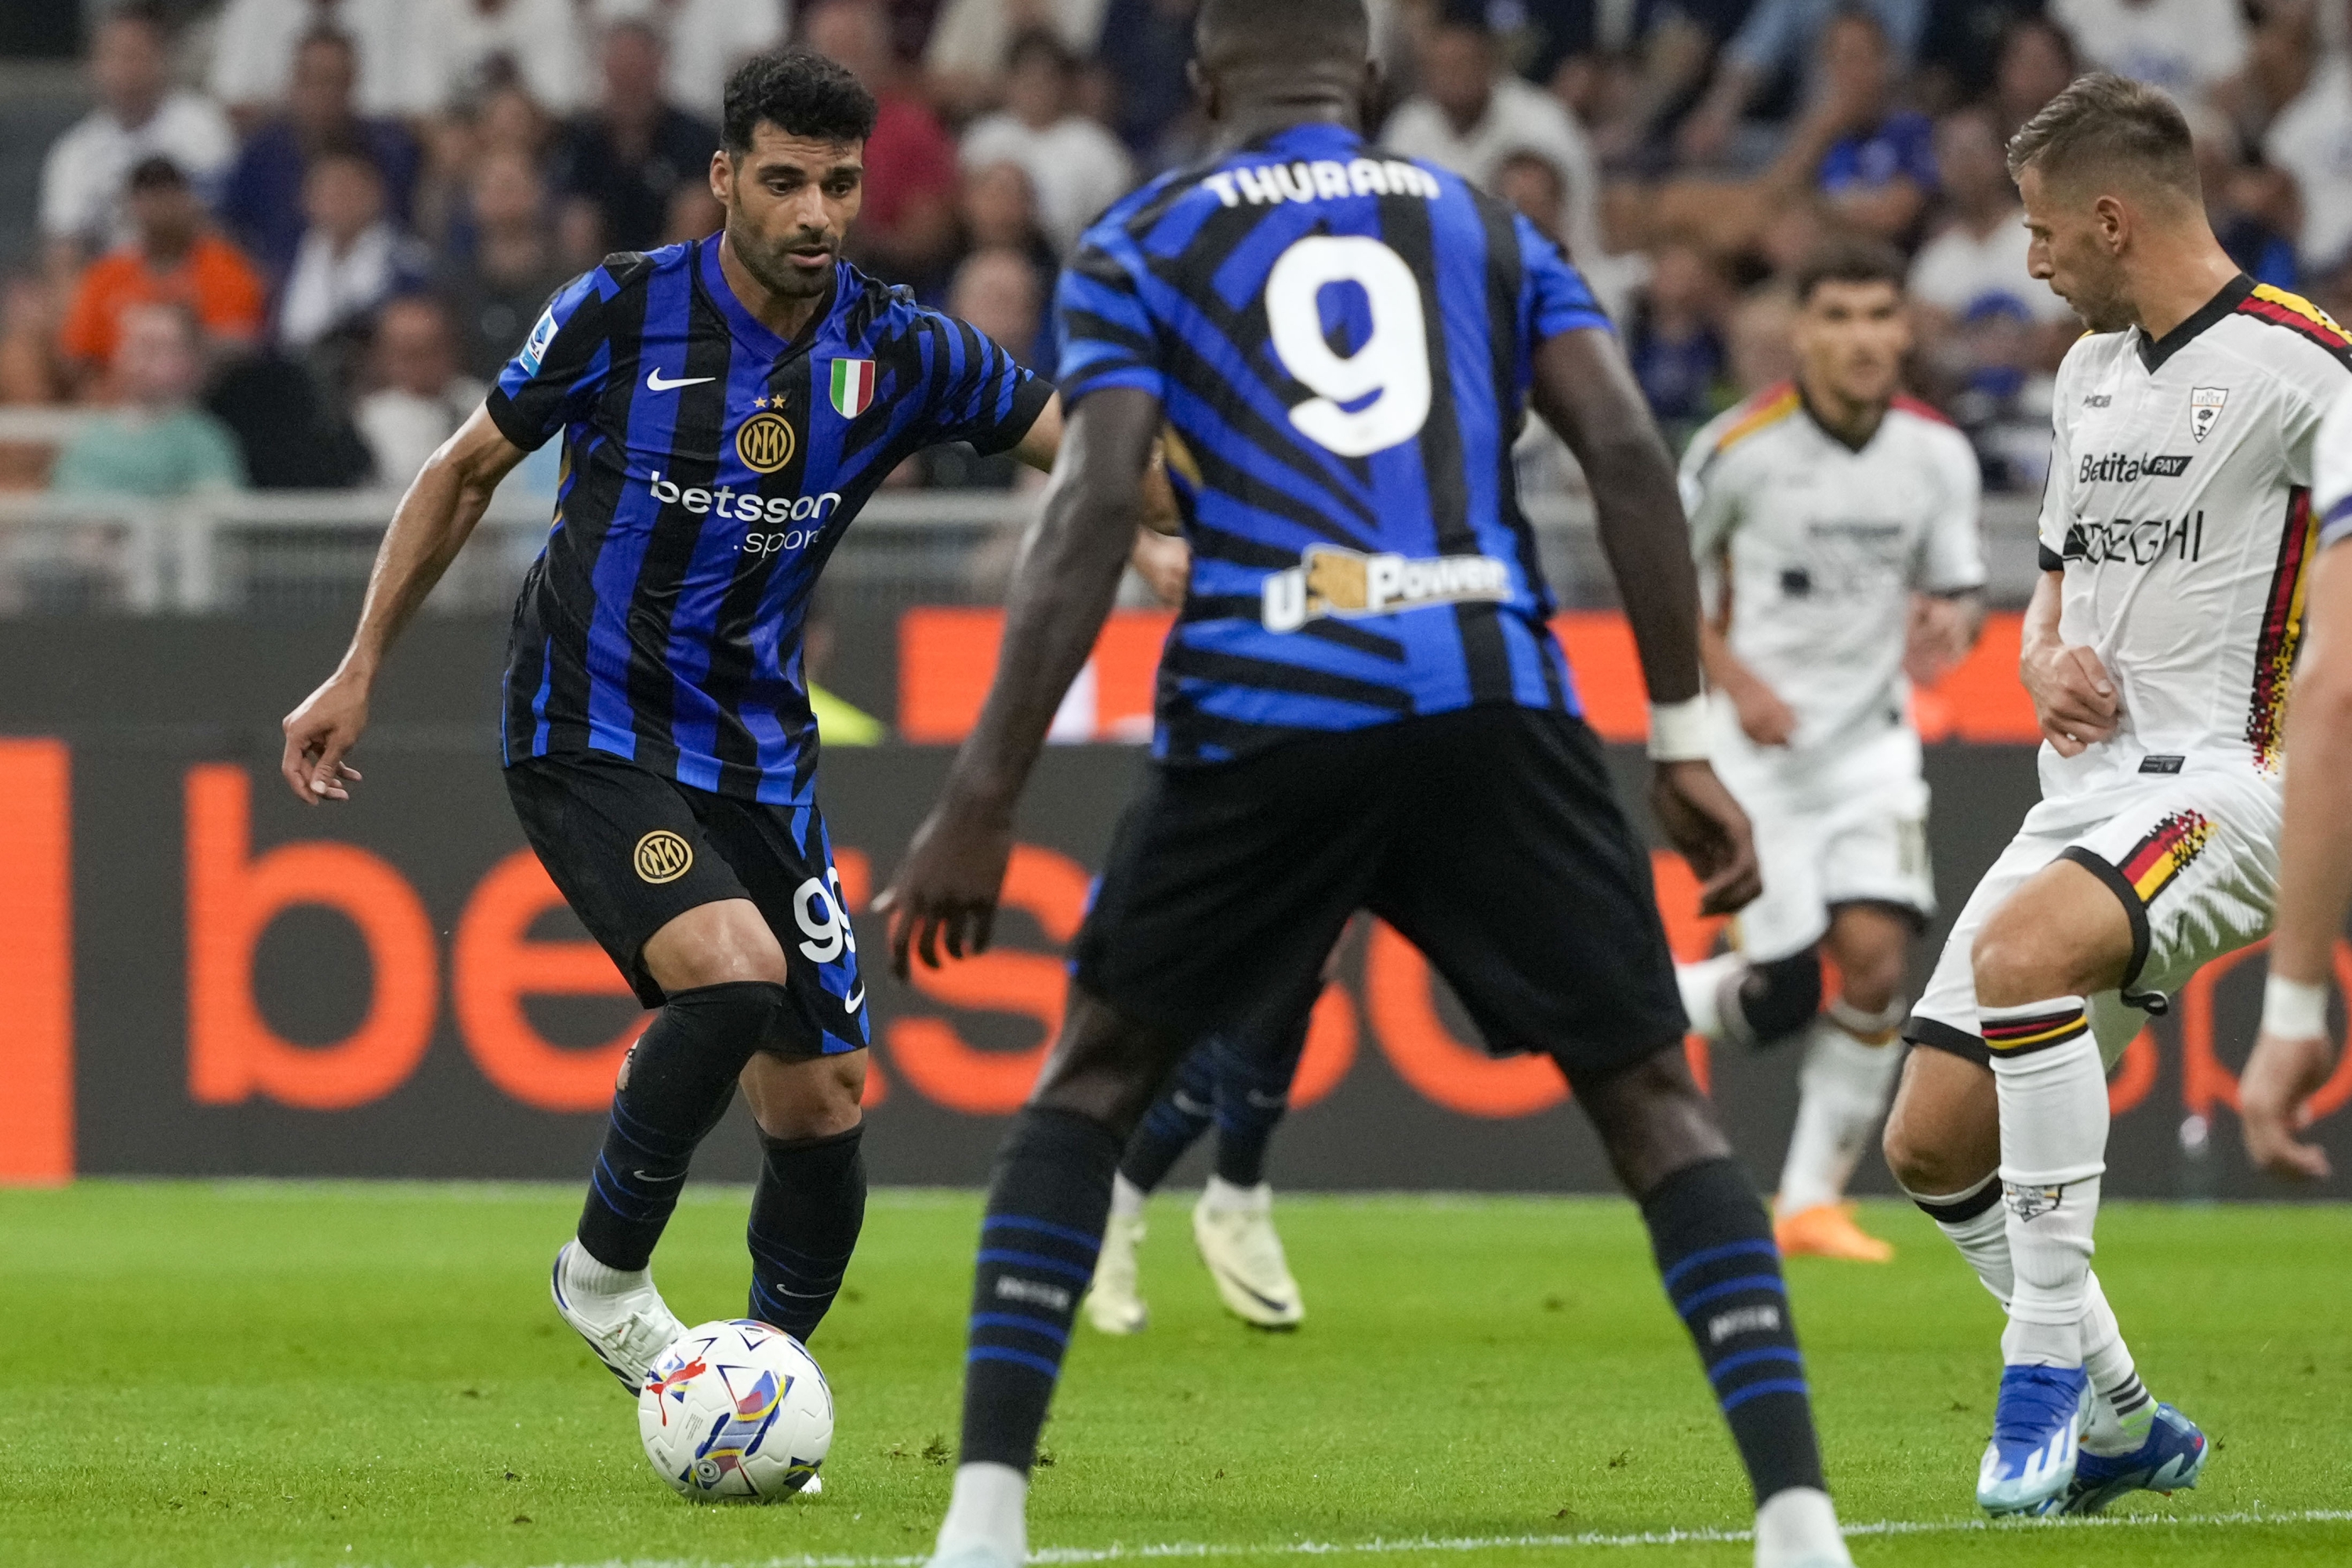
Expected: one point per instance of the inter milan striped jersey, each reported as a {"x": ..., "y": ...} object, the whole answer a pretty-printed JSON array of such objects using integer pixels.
[
  {"x": 709, "y": 468},
  {"x": 1341, "y": 346},
  {"x": 2178, "y": 507}
]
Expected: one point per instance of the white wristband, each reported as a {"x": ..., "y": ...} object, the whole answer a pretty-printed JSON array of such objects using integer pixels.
[
  {"x": 2294, "y": 1009},
  {"x": 1680, "y": 731}
]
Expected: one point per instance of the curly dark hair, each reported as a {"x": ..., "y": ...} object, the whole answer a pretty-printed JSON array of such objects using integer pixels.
[{"x": 800, "y": 94}]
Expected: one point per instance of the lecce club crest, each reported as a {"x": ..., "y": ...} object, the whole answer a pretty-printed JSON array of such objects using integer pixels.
[
  {"x": 2205, "y": 407},
  {"x": 853, "y": 387}
]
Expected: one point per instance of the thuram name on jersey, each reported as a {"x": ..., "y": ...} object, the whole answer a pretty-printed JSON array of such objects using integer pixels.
[{"x": 1331, "y": 581}]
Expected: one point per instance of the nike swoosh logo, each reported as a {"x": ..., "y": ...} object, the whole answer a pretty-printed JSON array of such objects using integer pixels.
[
  {"x": 653, "y": 382},
  {"x": 856, "y": 1000}
]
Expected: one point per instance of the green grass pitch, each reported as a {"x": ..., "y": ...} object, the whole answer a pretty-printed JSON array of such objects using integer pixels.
[{"x": 204, "y": 1374}]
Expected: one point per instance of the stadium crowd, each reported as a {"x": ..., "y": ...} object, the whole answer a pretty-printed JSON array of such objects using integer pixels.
[{"x": 297, "y": 237}]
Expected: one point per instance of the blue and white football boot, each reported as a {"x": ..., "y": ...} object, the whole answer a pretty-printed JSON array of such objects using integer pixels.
[
  {"x": 2036, "y": 1435},
  {"x": 2170, "y": 1460}
]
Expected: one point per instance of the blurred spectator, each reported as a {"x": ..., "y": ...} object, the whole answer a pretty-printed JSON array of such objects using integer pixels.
[
  {"x": 996, "y": 292},
  {"x": 139, "y": 115},
  {"x": 156, "y": 442},
  {"x": 1675, "y": 343},
  {"x": 2037, "y": 61},
  {"x": 1147, "y": 45},
  {"x": 1472, "y": 114},
  {"x": 1077, "y": 167},
  {"x": 906, "y": 230},
  {"x": 618, "y": 168},
  {"x": 1959, "y": 54},
  {"x": 1761, "y": 352},
  {"x": 1777, "y": 38},
  {"x": 2181, "y": 46},
  {"x": 174, "y": 258},
  {"x": 352, "y": 257},
  {"x": 704, "y": 41},
  {"x": 294, "y": 437},
  {"x": 262, "y": 201},
  {"x": 258, "y": 43},
  {"x": 465, "y": 46},
  {"x": 2283, "y": 52},
  {"x": 1000, "y": 213},
  {"x": 29, "y": 369},
  {"x": 1534, "y": 184},
  {"x": 972, "y": 39},
  {"x": 422, "y": 396},
  {"x": 1878, "y": 168},
  {"x": 2310, "y": 141},
  {"x": 497, "y": 288},
  {"x": 1989, "y": 333},
  {"x": 2240, "y": 200}
]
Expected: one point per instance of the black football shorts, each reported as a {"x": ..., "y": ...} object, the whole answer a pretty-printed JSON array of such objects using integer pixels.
[
  {"x": 1490, "y": 838},
  {"x": 631, "y": 851}
]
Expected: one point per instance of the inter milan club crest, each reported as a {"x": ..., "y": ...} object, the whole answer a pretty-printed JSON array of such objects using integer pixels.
[
  {"x": 2204, "y": 407},
  {"x": 853, "y": 387}
]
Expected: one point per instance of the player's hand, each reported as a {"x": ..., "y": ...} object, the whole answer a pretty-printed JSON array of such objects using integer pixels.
[
  {"x": 1165, "y": 565},
  {"x": 319, "y": 735},
  {"x": 1937, "y": 639},
  {"x": 2272, "y": 1104},
  {"x": 1763, "y": 717},
  {"x": 946, "y": 888},
  {"x": 1701, "y": 820},
  {"x": 2073, "y": 696},
  {"x": 1161, "y": 512}
]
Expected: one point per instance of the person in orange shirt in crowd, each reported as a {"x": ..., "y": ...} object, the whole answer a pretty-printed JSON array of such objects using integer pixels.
[{"x": 174, "y": 258}]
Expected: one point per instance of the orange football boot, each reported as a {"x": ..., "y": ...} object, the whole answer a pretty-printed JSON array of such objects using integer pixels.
[{"x": 1827, "y": 1230}]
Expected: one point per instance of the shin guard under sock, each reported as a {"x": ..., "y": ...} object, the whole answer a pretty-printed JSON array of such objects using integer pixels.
[
  {"x": 805, "y": 1216},
  {"x": 1175, "y": 1121},
  {"x": 2053, "y": 1137},
  {"x": 1046, "y": 1205},
  {"x": 675, "y": 1086},
  {"x": 1714, "y": 1245}
]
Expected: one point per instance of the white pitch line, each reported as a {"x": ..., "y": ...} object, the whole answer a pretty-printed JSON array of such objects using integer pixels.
[{"x": 1589, "y": 1539}]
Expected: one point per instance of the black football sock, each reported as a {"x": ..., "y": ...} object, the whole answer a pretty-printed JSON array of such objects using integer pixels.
[
  {"x": 805, "y": 1216},
  {"x": 1715, "y": 1251},
  {"x": 1046, "y": 1207},
  {"x": 1253, "y": 1093},
  {"x": 678, "y": 1081},
  {"x": 1175, "y": 1121}
]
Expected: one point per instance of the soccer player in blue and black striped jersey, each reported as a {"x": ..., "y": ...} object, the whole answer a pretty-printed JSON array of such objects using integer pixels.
[
  {"x": 1360, "y": 706},
  {"x": 725, "y": 408}
]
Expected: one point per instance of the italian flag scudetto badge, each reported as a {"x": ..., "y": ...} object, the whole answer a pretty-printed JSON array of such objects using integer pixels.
[{"x": 853, "y": 387}]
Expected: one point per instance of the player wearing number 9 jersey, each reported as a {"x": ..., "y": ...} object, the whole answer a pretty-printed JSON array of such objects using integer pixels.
[{"x": 1360, "y": 706}]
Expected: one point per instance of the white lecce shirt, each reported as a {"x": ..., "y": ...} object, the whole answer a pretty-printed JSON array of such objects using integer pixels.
[
  {"x": 1822, "y": 547},
  {"x": 2178, "y": 507},
  {"x": 2331, "y": 484}
]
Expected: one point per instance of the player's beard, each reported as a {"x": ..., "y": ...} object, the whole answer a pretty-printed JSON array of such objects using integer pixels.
[{"x": 776, "y": 273}]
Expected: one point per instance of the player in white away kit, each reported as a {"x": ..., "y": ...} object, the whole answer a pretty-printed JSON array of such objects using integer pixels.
[
  {"x": 2295, "y": 1058},
  {"x": 1835, "y": 523},
  {"x": 2176, "y": 533}
]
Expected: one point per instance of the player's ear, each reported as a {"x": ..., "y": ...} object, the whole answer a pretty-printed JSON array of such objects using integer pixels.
[{"x": 722, "y": 177}]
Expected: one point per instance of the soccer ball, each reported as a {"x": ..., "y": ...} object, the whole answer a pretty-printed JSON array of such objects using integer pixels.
[{"x": 736, "y": 1410}]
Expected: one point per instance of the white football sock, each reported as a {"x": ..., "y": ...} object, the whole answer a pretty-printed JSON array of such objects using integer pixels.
[
  {"x": 1126, "y": 1198},
  {"x": 1842, "y": 1090},
  {"x": 584, "y": 1275},
  {"x": 1982, "y": 1236},
  {"x": 2053, "y": 1141},
  {"x": 1702, "y": 984},
  {"x": 2121, "y": 1406},
  {"x": 990, "y": 1508},
  {"x": 1222, "y": 1197},
  {"x": 1798, "y": 1526}
]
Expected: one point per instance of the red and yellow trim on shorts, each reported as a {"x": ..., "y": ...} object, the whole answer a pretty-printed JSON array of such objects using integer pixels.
[{"x": 2282, "y": 631}]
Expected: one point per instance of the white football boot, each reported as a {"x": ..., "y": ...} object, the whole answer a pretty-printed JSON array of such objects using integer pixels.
[
  {"x": 621, "y": 1315},
  {"x": 1115, "y": 1301},
  {"x": 1234, "y": 1227}
]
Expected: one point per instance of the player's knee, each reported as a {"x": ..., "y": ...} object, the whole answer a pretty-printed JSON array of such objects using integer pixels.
[
  {"x": 1921, "y": 1156},
  {"x": 1106, "y": 1067},
  {"x": 1777, "y": 999},
  {"x": 815, "y": 1098}
]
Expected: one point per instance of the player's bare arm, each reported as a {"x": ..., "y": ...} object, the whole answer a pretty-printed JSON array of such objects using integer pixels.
[
  {"x": 434, "y": 521},
  {"x": 946, "y": 891},
  {"x": 2293, "y": 1057},
  {"x": 1943, "y": 631},
  {"x": 2073, "y": 696},
  {"x": 1043, "y": 445},
  {"x": 1764, "y": 718},
  {"x": 1585, "y": 391}
]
